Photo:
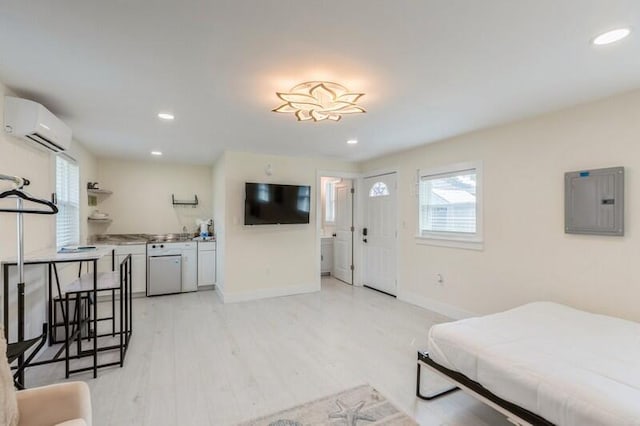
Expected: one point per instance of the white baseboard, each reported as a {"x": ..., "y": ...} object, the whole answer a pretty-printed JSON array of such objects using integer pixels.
[
  {"x": 449, "y": 311},
  {"x": 246, "y": 296},
  {"x": 219, "y": 292}
]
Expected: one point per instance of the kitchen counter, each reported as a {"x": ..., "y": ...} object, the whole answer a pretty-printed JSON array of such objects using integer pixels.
[
  {"x": 120, "y": 239},
  {"x": 204, "y": 240},
  {"x": 134, "y": 239},
  {"x": 52, "y": 256}
]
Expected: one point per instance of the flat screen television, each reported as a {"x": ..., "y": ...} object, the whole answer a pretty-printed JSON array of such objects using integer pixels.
[{"x": 273, "y": 204}]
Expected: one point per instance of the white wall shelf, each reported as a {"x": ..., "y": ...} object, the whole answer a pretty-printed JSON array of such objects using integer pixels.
[{"x": 99, "y": 191}]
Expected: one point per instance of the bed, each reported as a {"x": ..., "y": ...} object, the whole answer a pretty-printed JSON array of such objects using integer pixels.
[{"x": 544, "y": 363}]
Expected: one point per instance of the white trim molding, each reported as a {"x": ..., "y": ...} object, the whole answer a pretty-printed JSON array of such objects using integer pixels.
[
  {"x": 448, "y": 242},
  {"x": 442, "y": 308}
]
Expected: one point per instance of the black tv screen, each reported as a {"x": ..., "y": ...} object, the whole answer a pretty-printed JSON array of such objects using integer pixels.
[{"x": 271, "y": 204}]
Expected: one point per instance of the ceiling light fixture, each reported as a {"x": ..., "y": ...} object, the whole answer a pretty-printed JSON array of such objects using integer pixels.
[
  {"x": 611, "y": 36},
  {"x": 158, "y": 153},
  {"x": 319, "y": 100},
  {"x": 165, "y": 116},
  {"x": 352, "y": 141}
]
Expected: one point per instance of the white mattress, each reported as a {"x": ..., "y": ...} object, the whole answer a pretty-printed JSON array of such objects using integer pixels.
[{"x": 571, "y": 367}]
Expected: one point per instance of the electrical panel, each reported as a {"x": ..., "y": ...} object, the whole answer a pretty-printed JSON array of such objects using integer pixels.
[{"x": 594, "y": 202}]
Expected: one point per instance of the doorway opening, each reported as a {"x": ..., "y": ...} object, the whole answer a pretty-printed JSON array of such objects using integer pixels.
[{"x": 336, "y": 215}]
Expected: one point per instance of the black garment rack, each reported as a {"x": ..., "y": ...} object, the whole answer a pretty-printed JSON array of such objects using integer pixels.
[{"x": 18, "y": 349}]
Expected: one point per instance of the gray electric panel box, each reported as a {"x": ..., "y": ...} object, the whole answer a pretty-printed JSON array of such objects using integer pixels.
[{"x": 594, "y": 202}]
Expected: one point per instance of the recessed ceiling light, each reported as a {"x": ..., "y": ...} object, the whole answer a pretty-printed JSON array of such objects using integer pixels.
[
  {"x": 156, "y": 153},
  {"x": 166, "y": 116},
  {"x": 352, "y": 141},
  {"x": 611, "y": 36}
]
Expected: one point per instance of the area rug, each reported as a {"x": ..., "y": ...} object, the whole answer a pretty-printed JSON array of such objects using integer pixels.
[{"x": 359, "y": 406}]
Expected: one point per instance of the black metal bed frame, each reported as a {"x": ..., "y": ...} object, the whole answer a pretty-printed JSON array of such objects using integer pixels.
[{"x": 516, "y": 414}]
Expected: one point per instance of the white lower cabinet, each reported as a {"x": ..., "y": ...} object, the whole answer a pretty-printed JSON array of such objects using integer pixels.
[
  {"x": 138, "y": 265},
  {"x": 326, "y": 256},
  {"x": 104, "y": 264},
  {"x": 206, "y": 263},
  {"x": 190, "y": 268}
]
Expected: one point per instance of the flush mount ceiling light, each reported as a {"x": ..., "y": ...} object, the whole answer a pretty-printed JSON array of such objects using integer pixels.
[
  {"x": 158, "y": 153},
  {"x": 352, "y": 141},
  {"x": 166, "y": 116},
  {"x": 319, "y": 100},
  {"x": 611, "y": 36}
]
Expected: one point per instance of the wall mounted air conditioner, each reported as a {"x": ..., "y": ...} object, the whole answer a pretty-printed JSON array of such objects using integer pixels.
[{"x": 30, "y": 120}]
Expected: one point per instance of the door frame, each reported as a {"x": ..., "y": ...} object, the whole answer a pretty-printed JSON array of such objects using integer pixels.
[
  {"x": 356, "y": 179},
  {"x": 362, "y": 199}
]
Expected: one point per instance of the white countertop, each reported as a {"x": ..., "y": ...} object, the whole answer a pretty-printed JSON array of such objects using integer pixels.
[{"x": 51, "y": 255}]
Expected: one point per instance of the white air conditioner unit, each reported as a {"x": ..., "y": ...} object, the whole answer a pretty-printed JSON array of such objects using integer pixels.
[{"x": 30, "y": 120}]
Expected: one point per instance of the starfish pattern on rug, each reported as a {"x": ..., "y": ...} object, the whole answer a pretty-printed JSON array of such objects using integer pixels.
[
  {"x": 285, "y": 422},
  {"x": 350, "y": 414}
]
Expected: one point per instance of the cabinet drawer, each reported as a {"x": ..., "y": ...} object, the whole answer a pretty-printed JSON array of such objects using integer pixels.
[
  {"x": 206, "y": 245},
  {"x": 131, "y": 249}
]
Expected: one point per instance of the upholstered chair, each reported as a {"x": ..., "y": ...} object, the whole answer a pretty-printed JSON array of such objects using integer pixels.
[{"x": 64, "y": 404}]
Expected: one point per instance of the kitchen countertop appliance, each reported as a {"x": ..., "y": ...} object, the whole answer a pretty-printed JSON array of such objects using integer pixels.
[{"x": 172, "y": 267}]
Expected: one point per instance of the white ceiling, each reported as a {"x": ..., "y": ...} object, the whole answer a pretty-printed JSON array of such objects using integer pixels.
[{"x": 430, "y": 68}]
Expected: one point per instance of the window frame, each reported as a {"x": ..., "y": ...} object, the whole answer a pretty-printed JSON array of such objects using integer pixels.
[
  {"x": 329, "y": 202},
  {"x": 473, "y": 241},
  {"x": 61, "y": 202}
]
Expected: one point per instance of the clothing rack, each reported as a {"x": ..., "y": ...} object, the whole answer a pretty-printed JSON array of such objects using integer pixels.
[{"x": 17, "y": 350}]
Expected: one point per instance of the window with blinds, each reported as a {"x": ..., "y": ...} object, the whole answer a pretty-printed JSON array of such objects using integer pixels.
[
  {"x": 330, "y": 202},
  {"x": 449, "y": 203},
  {"x": 68, "y": 202}
]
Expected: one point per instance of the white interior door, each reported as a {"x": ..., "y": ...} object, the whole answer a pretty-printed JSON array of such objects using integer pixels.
[
  {"x": 379, "y": 243},
  {"x": 343, "y": 241}
]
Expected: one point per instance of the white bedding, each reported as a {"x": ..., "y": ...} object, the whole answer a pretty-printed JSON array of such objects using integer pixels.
[{"x": 571, "y": 367}]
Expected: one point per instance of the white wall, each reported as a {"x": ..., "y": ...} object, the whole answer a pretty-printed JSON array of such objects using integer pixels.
[
  {"x": 141, "y": 199},
  {"x": 527, "y": 256},
  {"x": 270, "y": 260},
  {"x": 88, "y": 165},
  {"x": 219, "y": 217}
]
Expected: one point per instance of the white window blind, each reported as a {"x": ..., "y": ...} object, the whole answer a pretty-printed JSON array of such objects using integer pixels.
[
  {"x": 68, "y": 202},
  {"x": 450, "y": 204}
]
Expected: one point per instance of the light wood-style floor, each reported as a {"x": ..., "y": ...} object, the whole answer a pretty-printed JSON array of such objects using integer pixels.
[{"x": 196, "y": 361}]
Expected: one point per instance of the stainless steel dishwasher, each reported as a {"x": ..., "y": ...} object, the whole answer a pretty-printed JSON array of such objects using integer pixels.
[{"x": 164, "y": 269}]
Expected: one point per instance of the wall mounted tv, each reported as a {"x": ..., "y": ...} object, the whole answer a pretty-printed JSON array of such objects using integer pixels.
[{"x": 273, "y": 204}]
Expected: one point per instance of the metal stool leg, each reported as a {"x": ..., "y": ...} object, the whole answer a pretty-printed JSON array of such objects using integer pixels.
[
  {"x": 113, "y": 312},
  {"x": 66, "y": 338}
]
